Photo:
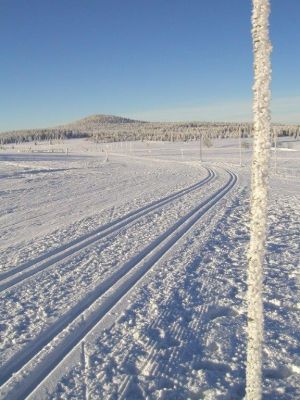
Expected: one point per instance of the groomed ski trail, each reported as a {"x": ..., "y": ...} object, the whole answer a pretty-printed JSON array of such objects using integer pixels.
[
  {"x": 41, "y": 357},
  {"x": 18, "y": 274}
]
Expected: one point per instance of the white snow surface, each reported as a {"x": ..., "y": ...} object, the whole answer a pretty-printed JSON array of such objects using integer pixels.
[{"x": 123, "y": 271}]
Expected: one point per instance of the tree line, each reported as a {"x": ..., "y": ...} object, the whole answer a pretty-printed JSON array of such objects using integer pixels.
[{"x": 131, "y": 131}]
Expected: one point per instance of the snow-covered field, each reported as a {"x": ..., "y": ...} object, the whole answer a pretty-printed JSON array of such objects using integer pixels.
[{"x": 123, "y": 271}]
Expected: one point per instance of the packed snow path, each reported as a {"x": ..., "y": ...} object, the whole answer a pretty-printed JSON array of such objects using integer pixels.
[
  {"x": 73, "y": 326},
  {"x": 142, "y": 296},
  {"x": 17, "y": 274}
]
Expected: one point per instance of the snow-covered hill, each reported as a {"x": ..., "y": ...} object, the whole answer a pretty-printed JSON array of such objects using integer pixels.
[
  {"x": 94, "y": 122},
  {"x": 110, "y": 128}
]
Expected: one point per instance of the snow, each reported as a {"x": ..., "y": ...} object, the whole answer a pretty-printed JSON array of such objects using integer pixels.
[{"x": 126, "y": 278}]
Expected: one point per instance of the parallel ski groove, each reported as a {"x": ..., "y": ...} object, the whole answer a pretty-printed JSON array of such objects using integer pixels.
[
  {"x": 91, "y": 310},
  {"x": 30, "y": 268}
]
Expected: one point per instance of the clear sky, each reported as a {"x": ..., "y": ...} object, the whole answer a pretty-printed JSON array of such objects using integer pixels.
[{"x": 148, "y": 59}]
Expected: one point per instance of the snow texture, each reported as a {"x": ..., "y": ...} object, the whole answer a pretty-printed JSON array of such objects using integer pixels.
[{"x": 126, "y": 278}]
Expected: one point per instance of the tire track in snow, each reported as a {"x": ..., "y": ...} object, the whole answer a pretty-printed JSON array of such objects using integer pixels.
[
  {"x": 36, "y": 361},
  {"x": 26, "y": 270}
]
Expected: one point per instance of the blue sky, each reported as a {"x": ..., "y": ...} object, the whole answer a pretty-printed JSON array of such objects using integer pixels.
[{"x": 149, "y": 59}]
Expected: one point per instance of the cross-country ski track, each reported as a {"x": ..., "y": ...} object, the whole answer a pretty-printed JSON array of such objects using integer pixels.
[
  {"x": 22, "y": 374},
  {"x": 127, "y": 279},
  {"x": 18, "y": 274}
]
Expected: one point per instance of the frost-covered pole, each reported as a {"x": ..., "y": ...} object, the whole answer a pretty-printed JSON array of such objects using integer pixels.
[
  {"x": 240, "y": 146},
  {"x": 275, "y": 140},
  {"x": 200, "y": 146},
  {"x": 106, "y": 156},
  {"x": 259, "y": 196}
]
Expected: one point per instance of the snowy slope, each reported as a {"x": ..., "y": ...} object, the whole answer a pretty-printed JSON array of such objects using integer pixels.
[{"x": 126, "y": 278}]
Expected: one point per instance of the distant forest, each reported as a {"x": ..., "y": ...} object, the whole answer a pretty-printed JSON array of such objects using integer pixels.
[{"x": 115, "y": 129}]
